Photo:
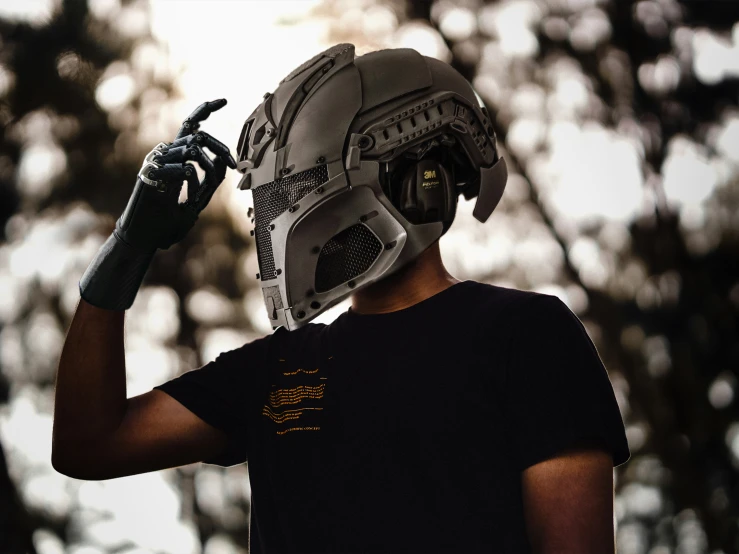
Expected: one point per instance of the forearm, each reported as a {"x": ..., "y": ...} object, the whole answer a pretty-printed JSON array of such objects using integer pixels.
[{"x": 90, "y": 397}]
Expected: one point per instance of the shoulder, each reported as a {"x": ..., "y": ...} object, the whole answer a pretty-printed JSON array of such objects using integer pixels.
[
  {"x": 276, "y": 345},
  {"x": 541, "y": 325},
  {"x": 305, "y": 339},
  {"x": 520, "y": 316},
  {"x": 497, "y": 300}
]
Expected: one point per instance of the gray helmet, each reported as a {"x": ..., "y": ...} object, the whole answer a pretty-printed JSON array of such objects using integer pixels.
[{"x": 355, "y": 166}]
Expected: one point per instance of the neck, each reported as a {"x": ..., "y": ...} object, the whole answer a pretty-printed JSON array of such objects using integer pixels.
[{"x": 420, "y": 279}]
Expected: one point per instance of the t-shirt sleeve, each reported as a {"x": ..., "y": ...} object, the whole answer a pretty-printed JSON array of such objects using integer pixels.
[
  {"x": 558, "y": 394},
  {"x": 224, "y": 393}
]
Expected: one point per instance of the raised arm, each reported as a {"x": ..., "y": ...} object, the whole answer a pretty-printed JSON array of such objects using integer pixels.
[{"x": 98, "y": 432}]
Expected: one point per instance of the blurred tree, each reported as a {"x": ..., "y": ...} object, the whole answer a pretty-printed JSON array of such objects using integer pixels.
[
  {"x": 666, "y": 318},
  {"x": 54, "y": 67},
  {"x": 688, "y": 300},
  {"x": 82, "y": 98},
  {"x": 15, "y": 528}
]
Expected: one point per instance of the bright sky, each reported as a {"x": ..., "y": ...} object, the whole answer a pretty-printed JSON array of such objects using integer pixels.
[
  {"x": 246, "y": 53},
  {"x": 250, "y": 47}
]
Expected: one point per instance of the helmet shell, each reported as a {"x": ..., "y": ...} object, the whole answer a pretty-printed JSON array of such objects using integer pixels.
[{"x": 314, "y": 153}]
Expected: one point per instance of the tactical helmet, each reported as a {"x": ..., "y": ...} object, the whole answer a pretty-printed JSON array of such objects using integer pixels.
[{"x": 355, "y": 166}]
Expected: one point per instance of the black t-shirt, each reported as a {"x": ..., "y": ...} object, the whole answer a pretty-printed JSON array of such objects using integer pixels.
[{"x": 407, "y": 431}]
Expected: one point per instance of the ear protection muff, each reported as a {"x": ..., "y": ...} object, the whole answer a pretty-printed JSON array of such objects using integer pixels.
[{"x": 427, "y": 193}]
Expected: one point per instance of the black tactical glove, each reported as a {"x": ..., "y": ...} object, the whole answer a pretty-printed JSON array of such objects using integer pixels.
[{"x": 154, "y": 218}]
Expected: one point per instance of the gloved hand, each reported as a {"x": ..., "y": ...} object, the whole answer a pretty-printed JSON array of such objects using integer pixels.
[{"x": 154, "y": 218}]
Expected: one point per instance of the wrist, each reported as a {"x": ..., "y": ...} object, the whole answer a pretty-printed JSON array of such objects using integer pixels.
[{"x": 114, "y": 276}]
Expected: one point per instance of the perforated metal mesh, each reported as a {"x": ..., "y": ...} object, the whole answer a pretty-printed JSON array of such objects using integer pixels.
[
  {"x": 345, "y": 256},
  {"x": 271, "y": 200}
]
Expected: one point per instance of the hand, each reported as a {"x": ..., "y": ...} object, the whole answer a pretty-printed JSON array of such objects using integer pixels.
[{"x": 154, "y": 218}]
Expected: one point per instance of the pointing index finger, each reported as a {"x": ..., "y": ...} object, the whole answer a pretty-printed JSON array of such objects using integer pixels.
[{"x": 201, "y": 113}]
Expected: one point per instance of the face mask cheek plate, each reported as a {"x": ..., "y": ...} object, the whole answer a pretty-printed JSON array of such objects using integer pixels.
[
  {"x": 277, "y": 205},
  {"x": 331, "y": 238},
  {"x": 418, "y": 237}
]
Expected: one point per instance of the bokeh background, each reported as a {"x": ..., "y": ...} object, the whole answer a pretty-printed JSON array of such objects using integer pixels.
[{"x": 620, "y": 124}]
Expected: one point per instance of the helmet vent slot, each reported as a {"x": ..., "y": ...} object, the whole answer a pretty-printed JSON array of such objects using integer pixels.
[{"x": 243, "y": 145}]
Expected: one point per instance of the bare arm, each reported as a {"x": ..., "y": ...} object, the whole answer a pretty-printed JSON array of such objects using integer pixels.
[
  {"x": 98, "y": 432},
  {"x": 568, "y": 503}
]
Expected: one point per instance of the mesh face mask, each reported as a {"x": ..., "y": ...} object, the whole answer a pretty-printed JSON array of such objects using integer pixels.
[
  {"x": 312, "y": 154},
  {"x": 345, "y": 256},
  {"x": 272, "y": 200}
]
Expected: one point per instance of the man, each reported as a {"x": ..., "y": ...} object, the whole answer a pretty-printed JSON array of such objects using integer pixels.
[{"x": 433, "y": 416}]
